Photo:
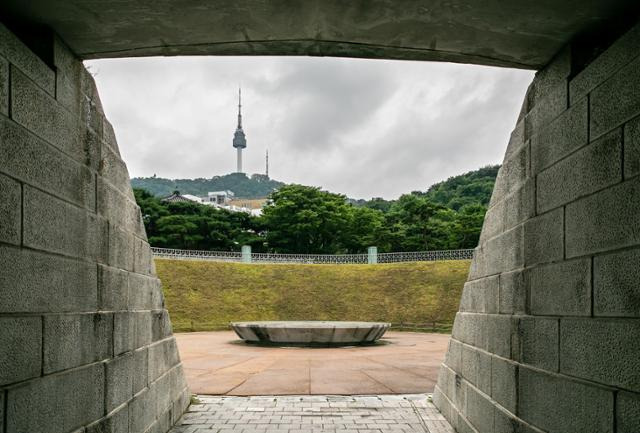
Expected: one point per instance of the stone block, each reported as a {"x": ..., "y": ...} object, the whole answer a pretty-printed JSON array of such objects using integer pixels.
[
  {"x": 442, "y": 403},
  {"x": 506, "y": 423},
  {"x": 553, "y": 74},
  {"x": 124, "y": 332},
  {"x": 145, "y": 292},
  {"x": 632, "y": 148},
  {"x": 160, "y": 325},
  {"x": 109, "y": 136},
  {"x": 121, "y": 248},
  {"x": 119, "y": 386},
  {"x": 68, "y": 69},
  {"x": 141, "y": 367},
  {"x": 162, "y": 356},
  {"x": 113, "y": 289},
  {"x": 40, "y": 113},
  {"x": 601, "y": 350},
  {"x": 74, "y": 340},
  {"x": 4, "y": 86},
  {"x": 119, "y": 208},
  {"x": 92, "y": 118},
  {"x": 544, "y": 238},
  {"x": 180, "y": 405},
  {"x": 142, "y": 410},
  {"x": 116, "y": 422},
  {"x": 20, "y": 348},
  {"x": 447, "y": 381},
  {"x": 516, "y": 141},
  {"x": 539, "y": 342},
  {"x": 628, "y": 413},
  {"x": 476, "y": 368},
  {"x": 469, "y": 328},
  {"x": 568, "y": 132},
  {"x": 69, "y": 230},
  {"x": 605, "y": 220},
  {"x": 481, "y": 296},
  {"x": 616, "y": 100},
  {"x": 143, "y": 258},
  {"x": 546, "y": 109},
  {"x": 113, "y": 168},
  {"x": 513, "y": 173},
  {"x": 561, "y": 289},
  {"x": 12, "y": 49},
  {"x": 31, "y": 281},
  {"x": 480, "y": 410},
  {"x": 57, "y": 403},
  {"x": 504, "y": 379},
  {"x": 605, "y": 65},
  {"x": 163, "y": 423},
  {"x": 162, "y": 387},
  {"x": 559, "y": 405},
  {"x": 31, "y": 160},
  {"x": 616, "y": 284},
  {"x": 10, "y": 210},
  {"x": 462, "y": 424},
  {"x": 510, "y": 211},
  {"x": 453, "y": 358},
  {"x": 90, "y": 91},
  {"x": 513, "y": 293},
  {"x": 588, "y": 170},
  {"x": 143, "y": 328},
  {"x": 178, "y": 382},
  {"x": 502, "y": 253},
  {"x": 501, "y": 331}
]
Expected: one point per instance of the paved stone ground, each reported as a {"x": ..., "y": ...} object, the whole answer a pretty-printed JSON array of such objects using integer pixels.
[
  {"x": 310, "y": 414},
  {"x": 218, "y": 363}
]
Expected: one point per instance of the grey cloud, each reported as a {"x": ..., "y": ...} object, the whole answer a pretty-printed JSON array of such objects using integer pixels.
[{"x": 361, "y": 127}]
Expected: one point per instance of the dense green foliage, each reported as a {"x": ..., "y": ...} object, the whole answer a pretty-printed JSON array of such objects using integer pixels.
[
  {"x": 186, "y": 225},
  {"x": 204, "y": 295},
  {"x": 306, "y": 220},
  {"x": 474, "y": 187},
  {"x": 256, "y": 186}
]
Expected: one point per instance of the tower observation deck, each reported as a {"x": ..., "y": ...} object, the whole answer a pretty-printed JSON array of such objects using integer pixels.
[{"x": 239, "y": 140}]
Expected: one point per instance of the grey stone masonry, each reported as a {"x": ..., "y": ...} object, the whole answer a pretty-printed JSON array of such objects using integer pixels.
[
  {"x": 85, "y": 340},
  {"x": 546, "y": 338}
]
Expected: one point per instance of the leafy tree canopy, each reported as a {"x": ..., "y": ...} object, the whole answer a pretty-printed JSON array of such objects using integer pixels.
[{"x": 307, "y": 220}]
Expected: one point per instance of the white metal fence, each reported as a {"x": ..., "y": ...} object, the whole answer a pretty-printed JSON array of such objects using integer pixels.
[{"x": 233, "y": 256}]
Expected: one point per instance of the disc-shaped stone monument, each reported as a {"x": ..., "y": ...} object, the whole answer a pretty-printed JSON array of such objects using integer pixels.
[{"x": 318, "y": 333}]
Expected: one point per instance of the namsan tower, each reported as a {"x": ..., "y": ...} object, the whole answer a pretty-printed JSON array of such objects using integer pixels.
[{"x": 239, "y": 140}]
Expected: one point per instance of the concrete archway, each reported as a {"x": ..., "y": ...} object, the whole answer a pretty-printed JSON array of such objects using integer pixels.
[{"x": 551, "y": 307}]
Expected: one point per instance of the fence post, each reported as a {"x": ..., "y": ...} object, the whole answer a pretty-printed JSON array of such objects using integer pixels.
[
  {"x": 372, "y": 255},
  {"x": 246, "y": 254}
]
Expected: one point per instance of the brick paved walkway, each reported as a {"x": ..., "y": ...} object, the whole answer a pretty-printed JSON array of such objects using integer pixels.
[{"x": 309, "y": 414}]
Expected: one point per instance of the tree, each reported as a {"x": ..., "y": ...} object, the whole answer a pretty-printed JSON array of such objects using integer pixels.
[{"x": 305, "y": 220}]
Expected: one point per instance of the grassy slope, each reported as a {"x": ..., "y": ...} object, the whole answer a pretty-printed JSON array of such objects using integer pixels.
[{"x": 204, "y": 295}]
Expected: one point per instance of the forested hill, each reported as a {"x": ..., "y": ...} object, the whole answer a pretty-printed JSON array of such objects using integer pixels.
[
  {"x": 474, "y": 187},
  {"x": 471, "y": 188},
  {"x": 256, "y": 186}
]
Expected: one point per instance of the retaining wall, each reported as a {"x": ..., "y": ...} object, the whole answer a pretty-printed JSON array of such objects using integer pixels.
[
  {"x": 547, "y": 338},
  {"x": 85, "y": 340}
]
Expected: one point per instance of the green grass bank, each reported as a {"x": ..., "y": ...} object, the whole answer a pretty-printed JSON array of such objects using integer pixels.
[{"x": 202, "y": 295}]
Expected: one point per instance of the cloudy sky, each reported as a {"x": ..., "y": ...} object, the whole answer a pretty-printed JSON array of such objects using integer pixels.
[{"x": 365, "y": 128}]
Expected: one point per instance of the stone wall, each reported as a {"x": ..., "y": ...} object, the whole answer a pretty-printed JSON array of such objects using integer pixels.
[
  {"x": 85, "y": 342},
  {"x": 547, "y": 338}
]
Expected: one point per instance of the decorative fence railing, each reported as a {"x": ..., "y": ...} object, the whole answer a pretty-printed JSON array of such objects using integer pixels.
[{"x": 248, "y": 257}]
